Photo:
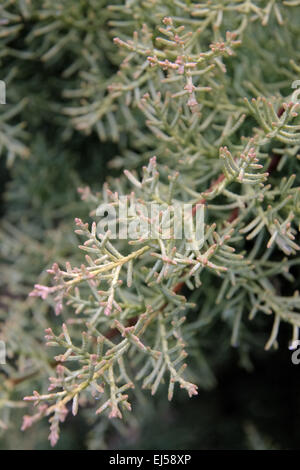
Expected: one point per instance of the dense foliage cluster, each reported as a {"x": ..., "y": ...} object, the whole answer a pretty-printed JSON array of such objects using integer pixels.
[{"x": 192, "y": 104}]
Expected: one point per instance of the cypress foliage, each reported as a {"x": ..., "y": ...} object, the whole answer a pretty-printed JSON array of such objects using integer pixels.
[{"x": 184, "y": 104}]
